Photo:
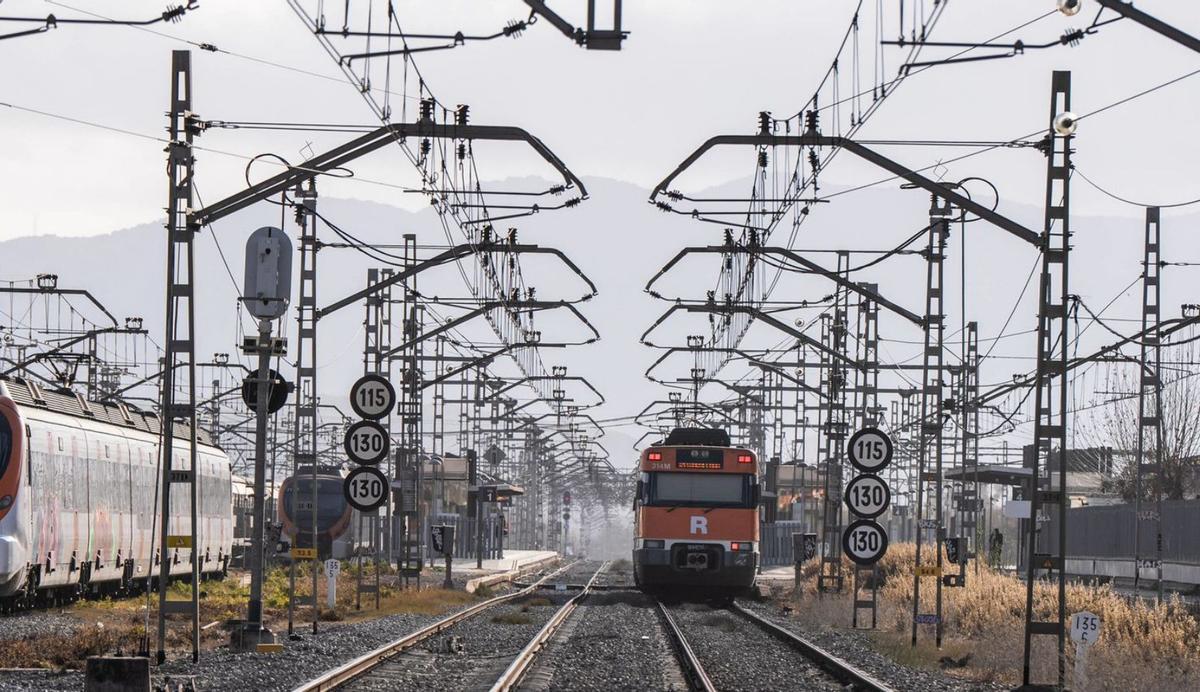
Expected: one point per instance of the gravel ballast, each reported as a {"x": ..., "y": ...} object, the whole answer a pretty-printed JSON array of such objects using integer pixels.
[
  {"x": 220, "y": 669},
  {"x": 855, "y": 649},
  {"x": 613, "y": 641},
  {"x": 739, "y": 655},
  {"x": 472, "y": 654}
]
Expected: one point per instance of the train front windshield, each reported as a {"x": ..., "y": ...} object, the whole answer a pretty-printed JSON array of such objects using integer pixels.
[
  {"x": 331, "y": 503},
  {"x": 675, "y": 489}
]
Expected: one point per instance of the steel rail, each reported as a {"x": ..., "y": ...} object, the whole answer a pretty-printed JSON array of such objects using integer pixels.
[
  {"x": 513, "y": 675},
  {"x": 343, "y": 674},
  {"x": 840, "y": 669},
  {"x": 692, "y": 668}
]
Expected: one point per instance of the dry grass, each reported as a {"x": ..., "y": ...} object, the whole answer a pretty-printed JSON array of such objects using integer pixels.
[
  {"x": 71, "y": 651},
  {"x": 1143, "y": 646},
  {"x": 111, "y": 625}
]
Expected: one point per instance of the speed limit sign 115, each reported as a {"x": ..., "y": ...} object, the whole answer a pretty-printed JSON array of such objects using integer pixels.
[
  {"x": 372, "y": 397},
  {"x": 870, "y": 450},
  {"x": 366, "y": 442},
  {"x": 864, "y": 542},
  {"x": 366, "y": 488}
]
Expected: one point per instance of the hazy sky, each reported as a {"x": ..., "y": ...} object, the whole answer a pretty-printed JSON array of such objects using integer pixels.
[{"x": 690, "y": 69}]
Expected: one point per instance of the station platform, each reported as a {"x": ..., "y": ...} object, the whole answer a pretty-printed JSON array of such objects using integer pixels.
[{"x": 514, "y": 564}]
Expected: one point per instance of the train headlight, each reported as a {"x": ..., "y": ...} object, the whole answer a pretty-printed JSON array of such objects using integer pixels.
[
  {"x": 654, "y": 543},
  {"x": 741, "y": 547},
  {"x": 5, "y": 502}
]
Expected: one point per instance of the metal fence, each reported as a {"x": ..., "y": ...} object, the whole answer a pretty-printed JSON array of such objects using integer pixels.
[
  {"x": 464, "y": 536},
  {"x": 776, "y": 542},
  {"x": 1107, "y": 532}
]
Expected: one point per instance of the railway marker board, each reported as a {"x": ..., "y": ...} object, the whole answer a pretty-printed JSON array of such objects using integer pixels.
[
  {"x": 1085, "y": 628},
  {"x": 366, "y": 442},
  {"x": 1085, "y": 631},
  {"x": 864, "y": 542},
  {"x": 366, "y": 488},
  {"x": 372, "y": 397}
]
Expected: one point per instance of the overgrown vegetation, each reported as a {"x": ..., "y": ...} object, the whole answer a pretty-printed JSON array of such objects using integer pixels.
[
  {"x": 110, "y": 625},
  {"x": 1143, "y": 646}
]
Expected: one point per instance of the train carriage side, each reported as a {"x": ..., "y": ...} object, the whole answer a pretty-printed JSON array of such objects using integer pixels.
[
  {"x": 696, "y": 520},
  {"x": 78, "y": 497}
]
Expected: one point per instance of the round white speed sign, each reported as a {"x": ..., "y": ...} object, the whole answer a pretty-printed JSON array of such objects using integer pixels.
[
  {"x": 366, "y": 442},
  {"x": 864, "y": 542},
  {"x": 870, "y": 450},
  {"x": 868, "y": 496},
  {"x": 365, "y": 488},
  {"x": 372, "y": 397}
]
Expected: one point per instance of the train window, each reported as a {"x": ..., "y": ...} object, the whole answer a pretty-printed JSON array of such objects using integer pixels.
[
  {"x": 700, "y": 489},
  {"x": 60, "y": 444},
  {"x": 29, "y": 453},
  {"x": 6, "y": 444},
  {"x": 331, "y": 502}
]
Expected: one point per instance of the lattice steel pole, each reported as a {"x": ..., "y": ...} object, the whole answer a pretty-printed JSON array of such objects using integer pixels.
[
  {"x": 1050, "y": 400},
  {"x": 1149, "y": 408},
  {"x": 179, "y": 351},
  {"x": 870, "y": 416},
  {"x": 929, "y": 437}
]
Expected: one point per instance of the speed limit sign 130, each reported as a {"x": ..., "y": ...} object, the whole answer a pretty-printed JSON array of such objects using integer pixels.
[
  {"x": 366, "y": 488},
  {"x": 864, "y": 542},
  {"x": 372, "y": 397},
  {"x": 366, "y": 442},
  {"x": 870, "y": 450},
  {"x": 868, "y": 496}
]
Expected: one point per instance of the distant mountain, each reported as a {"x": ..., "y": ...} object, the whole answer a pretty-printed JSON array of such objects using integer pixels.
[{"x": 620, "y": 241}]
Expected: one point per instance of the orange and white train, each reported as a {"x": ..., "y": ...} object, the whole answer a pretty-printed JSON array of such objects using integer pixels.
[{"x": 696, "y": 519}]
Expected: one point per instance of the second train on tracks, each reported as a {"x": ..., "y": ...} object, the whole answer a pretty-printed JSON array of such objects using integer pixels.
[
  {"x": 696, "y": 519},
  {"x": 78, "y": 512}
]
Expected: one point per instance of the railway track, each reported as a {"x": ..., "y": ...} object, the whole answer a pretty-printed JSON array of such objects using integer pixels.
[
  {"x": 524, "y": 661},
  {"x": 458, "y": 659},
  {"x": 701, "y": 637}
]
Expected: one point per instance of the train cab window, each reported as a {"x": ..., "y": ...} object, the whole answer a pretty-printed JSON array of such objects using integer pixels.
[
  {"x": 6, "y": 444},
  {"x": 699, "y": 490},
  {"x": 331, "y": 502}
]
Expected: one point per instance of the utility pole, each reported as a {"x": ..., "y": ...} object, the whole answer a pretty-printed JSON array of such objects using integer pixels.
[
  {"x": 1149, "y": 410},
  {"x": 870, "y": 416},
  {"x": 1050, "y": 388},
  {"x": 305, "y": 431},
  {"x": 179, "y": 351},
  {"x": 929, "y": 435}
]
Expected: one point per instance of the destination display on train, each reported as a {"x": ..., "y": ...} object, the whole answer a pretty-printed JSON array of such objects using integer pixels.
[{"x": 699, "y": 458}]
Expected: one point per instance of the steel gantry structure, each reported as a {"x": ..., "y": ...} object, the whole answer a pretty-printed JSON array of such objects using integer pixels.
[
  {"x": 185, "y": 220},
  {"x": 1053, "y": 246}
]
